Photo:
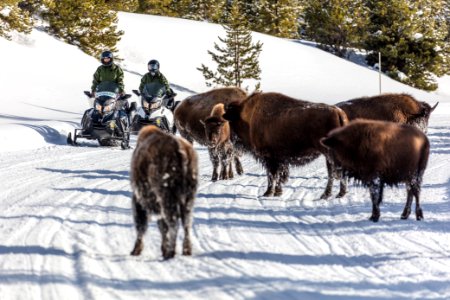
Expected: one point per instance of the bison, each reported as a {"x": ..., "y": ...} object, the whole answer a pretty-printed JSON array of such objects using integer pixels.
[
  {"x": 164, "y": 182},
  {"x": 379, "y": 153},
  {"x": 280, "y": 131},
  {"x": 399, "y": 108},
  {"x": 217, "y": 132},
  {"x": 190, "y": 115}
]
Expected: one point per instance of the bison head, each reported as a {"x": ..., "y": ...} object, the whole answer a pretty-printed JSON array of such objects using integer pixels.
[
  {"x": 232, "y": 111},
  {"x": 421, "y": 120},
  {"x": 214, "y": 130}
]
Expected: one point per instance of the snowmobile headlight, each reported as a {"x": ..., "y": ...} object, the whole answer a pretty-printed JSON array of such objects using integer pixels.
[
  {"x": 155, "y": 105},
  {"x": 108, "y": 107},
  {"x": 145, "y": 104}
]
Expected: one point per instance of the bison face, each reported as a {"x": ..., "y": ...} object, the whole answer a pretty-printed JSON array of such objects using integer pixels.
[
  {"x": 421, "y": 121},
  {"x": 232, "y": 112},
  {"x": 213, "y": 130}
]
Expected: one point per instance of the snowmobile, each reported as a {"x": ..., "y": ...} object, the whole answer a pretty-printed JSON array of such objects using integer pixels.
[
  {"x": 108, "y": 120},
  {"x": 156, "y": 109}
]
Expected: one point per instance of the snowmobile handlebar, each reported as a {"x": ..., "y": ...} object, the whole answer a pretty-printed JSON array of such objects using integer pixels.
[{"x": 136, "y": 92}]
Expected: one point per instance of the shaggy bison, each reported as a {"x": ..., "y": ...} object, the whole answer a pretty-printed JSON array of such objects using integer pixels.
[
  {"x": 378, "y": 153},
  {"x": 280, "y": 131},
  {"x": 217, "y": 132},
  {"x": 190, "y": 115},
  {"x": 399, "y": 108},
  {"x": 164, "y": 181}
]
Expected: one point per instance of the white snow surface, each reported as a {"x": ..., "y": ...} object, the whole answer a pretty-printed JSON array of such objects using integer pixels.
[{"x": 65, "y": 212}]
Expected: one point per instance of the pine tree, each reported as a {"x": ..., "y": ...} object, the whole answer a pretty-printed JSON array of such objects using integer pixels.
[
  {"x": 335, "y": 24},
  {"x": 14, "y": 17},
  {"x": 170, "y": 8},
  {"x": 206, "y": 10},
  {"x": 410, "y": 35},
  {"x": 278, "y": 17},
  {"x": 238, "y": 60},
  {"x": 123, "y": 5},
  {"x": 89, "y": 24}
]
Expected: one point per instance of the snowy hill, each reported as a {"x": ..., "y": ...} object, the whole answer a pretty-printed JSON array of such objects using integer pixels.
[{"x": 65, "y": 214}]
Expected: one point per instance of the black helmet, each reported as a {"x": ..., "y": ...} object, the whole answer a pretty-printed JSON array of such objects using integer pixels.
[
  {"x": 106, "y": 54},
  {"x": 153, "y": 66}
]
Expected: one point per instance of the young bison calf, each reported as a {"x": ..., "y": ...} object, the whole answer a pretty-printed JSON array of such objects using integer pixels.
[
  {"x": 164, "y": 182},
  {"x": 221, "y": 150},
  {"x": 378, "y": 153}
]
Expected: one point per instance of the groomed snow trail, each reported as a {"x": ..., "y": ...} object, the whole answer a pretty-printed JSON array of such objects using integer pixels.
[{"x": 67, "y": 230}]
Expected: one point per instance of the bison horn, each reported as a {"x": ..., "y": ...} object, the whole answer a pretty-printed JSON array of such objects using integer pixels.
[{"x": 434, "y": 107}]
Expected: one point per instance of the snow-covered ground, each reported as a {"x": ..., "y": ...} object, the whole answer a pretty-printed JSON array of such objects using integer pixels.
[{"x": 65, "y": 217}]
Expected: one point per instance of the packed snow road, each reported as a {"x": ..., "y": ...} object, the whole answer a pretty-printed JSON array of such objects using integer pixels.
[{"x": 67, "y": 230}]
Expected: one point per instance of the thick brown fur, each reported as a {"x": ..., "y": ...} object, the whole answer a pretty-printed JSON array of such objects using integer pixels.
[
  {"x": 281, "y": 131},
  {"x": 190, "y": 116},
  {"x": 399, "y": 108},
  {"x": 220, "y": 148},
  {"x": 163, "y": 176},
  {"x": 378, "y": 153}
]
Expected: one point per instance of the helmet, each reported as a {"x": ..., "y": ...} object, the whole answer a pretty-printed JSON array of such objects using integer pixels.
[
  {"x": 153, "y": 66},
  {"x": 106, "y": 54}
]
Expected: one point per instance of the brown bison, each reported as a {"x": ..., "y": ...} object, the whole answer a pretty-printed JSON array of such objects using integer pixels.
[
  {"x": 217, "y": 131},
  {"x": 164, "y": 182},
  {"x": 378, "y": 153},
  {"x": 190, "y": 115},
  {"x": 280, "y": 131},
  {"x": 399, "y": 108}
]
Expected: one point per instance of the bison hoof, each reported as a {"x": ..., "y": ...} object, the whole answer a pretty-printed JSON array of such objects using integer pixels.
[
  {"x": 325, "y": 196},
  {"x": 187, "y": 251},
  {"x": 168, "y": 254},
  {"x": 268, "y": 193},
  {"x": 137, "y": 250},
  {"x": 419, "y": 215},
  {"x": 240, "y": 171},
  {"x": 406, "y": 213},
  {"x": 341, "y": 194},
  {"x": 278, "y": 192},
  {"x": 214, "y": 178},
  {"x": 374, "y": 218}
]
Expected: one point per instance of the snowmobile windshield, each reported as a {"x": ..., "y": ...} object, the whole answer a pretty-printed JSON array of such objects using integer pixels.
[
  {"x": 107, "y": 90},
  {"x": 152, "y": 90}
]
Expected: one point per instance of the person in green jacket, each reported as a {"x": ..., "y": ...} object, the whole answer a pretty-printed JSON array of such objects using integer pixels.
[
  {"x": 154, "y": 75},
  {"x": 108, "y": 71}
]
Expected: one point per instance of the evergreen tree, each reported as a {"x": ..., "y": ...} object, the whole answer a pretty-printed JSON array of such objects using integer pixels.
[
  {"x": 238, "y": 60},
  {"x": 207, "y": 10},
  {"x": 170, "y": 8},
  {"x": 123, "y": 5},
  {"x": 88, "y": 24},
  {"x": 335, "y": 24},
  {"x": 410, "y": 35},
  {"x": 278, "y": 17},
  {"x": 14, "y": 17}
]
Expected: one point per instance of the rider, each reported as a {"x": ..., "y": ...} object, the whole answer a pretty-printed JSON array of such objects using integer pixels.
[
  {"x": 108, "y": 71},
  {"x": 154, "y": 75}
]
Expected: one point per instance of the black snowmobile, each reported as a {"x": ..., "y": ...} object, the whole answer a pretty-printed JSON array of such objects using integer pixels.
[
  {"x": 156, "y": 108},
  {"x": 108, "y": 120}
]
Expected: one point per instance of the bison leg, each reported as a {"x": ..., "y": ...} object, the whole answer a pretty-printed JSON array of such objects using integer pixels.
[
  {"x": 276, "y": 176},
  {"x": 141, "y": 219},
  {"x": 238, "y": 165},
  {"x": 225, "y": 161},
  {"x": 168, "y": 226},
  {"x": 415, "y": 187},
  {"x": 409, "y": 199},
  {"x": 215, "y": 161},
  {"x": 330, "y": 169},
  {"x": 283, "y": 176},
  {"x": 186, "y": 219},
  {"x": 376, "y": 195}
]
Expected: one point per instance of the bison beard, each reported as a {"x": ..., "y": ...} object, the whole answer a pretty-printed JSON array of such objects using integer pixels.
[
  {"x": 280, "y": 131},
  {"x": 164, "y": 182},
  {"x": 379, "y": 153},
  {"x": 191, "y": 117}
]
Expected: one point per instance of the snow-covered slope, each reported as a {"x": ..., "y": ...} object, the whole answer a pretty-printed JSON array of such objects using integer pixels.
[{"x": 65, "y": 217}]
